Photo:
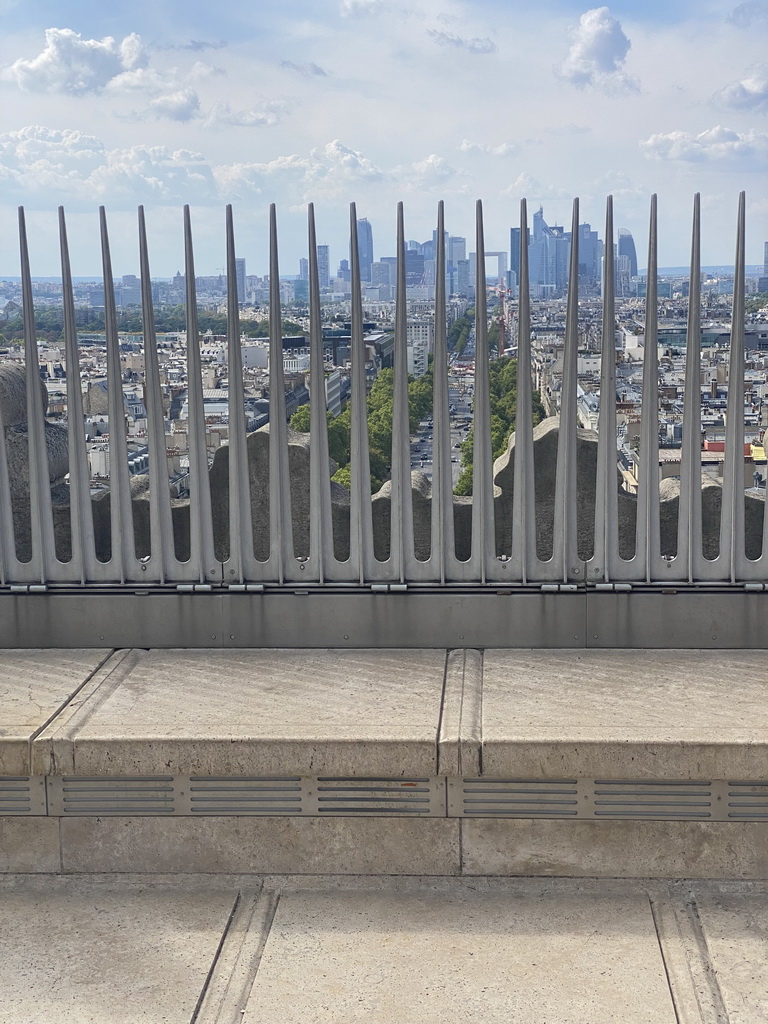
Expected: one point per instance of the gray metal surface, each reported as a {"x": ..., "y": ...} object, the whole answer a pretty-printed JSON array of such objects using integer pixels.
[
  {"x": 360, "y": 796},
  {"x": 344, "y": 617},
  {"x": 281, "y": 567}
]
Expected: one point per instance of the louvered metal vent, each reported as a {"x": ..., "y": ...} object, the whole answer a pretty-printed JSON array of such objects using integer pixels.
[
  {"x": 513, "y": 798},
  {"x": 250, "y": 795},
  {"x": 350, "y": 796},
  {"x": 652, "y": 799},
  {"x": 120, "y": 795},
  {"x": 748, "y": 801},
  {"x": 22, "y": 795}
]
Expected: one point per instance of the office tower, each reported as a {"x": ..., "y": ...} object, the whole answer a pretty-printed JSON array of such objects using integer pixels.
[
  {"x": 462, "y": 278},
  {"x": 344, "y": 272},
  {"x": 765, "y": 260},
  {"x": 240, "y": 277},
  {"x": 323, "y": 265},
  {"x": 365, "y": 248},
  {"x": 414, "y": 268},
  {"x": 382, "y": 274},
  {"x": 303, "y": 270},
  {"x": 627, "y": 248},
  {"x": 514, "y": 252},
  {"x": 548, "y": 256},
  {"x": 589, "y": 254},
  {"x": 457, "y": 248}
]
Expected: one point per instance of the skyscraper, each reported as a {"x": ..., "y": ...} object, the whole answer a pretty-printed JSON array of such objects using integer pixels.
[
  {"x": 323, "y": 265},
  {"x": 627, "y": 248},
  {"x": 240, "y": 276},
  {"x": 548, "y": 255},
  {"x": 365, "y": 248},
  {"x": 765, "y": 260},
  {"x": 303, "y": 269}
]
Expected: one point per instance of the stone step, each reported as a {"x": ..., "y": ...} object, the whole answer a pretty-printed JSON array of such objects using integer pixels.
[
  {"x": 605, "y": 762},
  {"x": 223, "y": 949}
]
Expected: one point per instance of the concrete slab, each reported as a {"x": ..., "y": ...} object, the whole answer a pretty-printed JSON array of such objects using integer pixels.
[
  {"x": 372, "y": 846},
  {"x": 615, "y": 849},
  {"x": 34, "y": 685},
  {"x": 495, "y": 959},
  {"x": 79, "y": 950},
  {"x": 735, "y": 930},
  {"x": 308, "y": 712},
  {"x": 29, "y": 845},
  {"x": 625, "y": 714}
]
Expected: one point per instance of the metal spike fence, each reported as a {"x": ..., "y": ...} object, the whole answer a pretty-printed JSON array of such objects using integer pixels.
[{"x": 241, "y": 566}]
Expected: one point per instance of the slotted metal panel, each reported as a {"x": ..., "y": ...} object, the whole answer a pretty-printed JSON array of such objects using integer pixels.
[
  {"x": 99, "y": 795},
  {"x": 358, "y": 796},
  {"x": 513, "y": 798},
  {"x": 242, "y": 565},
  {"x": 22, "y": 794},
  {"x": 747, "y": 801},
  {"x": 653, "y": 799},
  {"x": 212, "y": 795}
]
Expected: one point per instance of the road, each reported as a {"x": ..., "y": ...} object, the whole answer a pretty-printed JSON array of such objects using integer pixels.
[{"x": 461, "y": 385}]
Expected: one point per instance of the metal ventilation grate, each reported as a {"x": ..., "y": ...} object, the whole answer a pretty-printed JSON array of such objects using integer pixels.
[
  {"x": 513, "y": 798},
  {"x": 747, "y": 801},
  {"x": 214, "y": 795},
  {"x": 92, "y": 795},
  {"x": 22, "y": 794},
  {"x": 383, "y": 796},
  {"x": 614, "y": 798}
]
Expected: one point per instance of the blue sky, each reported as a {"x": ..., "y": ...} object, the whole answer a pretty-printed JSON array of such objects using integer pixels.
[{"x": 332, "y": 101}]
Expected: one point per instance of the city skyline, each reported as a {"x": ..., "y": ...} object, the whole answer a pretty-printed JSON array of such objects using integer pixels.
[{"x": 173, "y": 105}]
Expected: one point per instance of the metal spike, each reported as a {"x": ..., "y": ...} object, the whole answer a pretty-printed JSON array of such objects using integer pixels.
[
  {"x": 123, "y": 560},
  {"x": 606, "y": 497},
  {"x": 401, "y": 514},
  {"x": 280, "y": 520},
  {"x": 564, "y": 552},
  {"x": 483, "y": 535},
  {"x": 202, "y": 561},
  {"x": 321, "y": 554},
  {"x": 360, "y": 520},
  {"x": 443, "y": 542},
  {"x": 648, "y": 530},
  {"x": 523, "y": 556},
  {"x": 41, "y": 514},
  {"x": 83, "y": 564},
  {"x": 689, "y": 521},
  {"x": 241, "y": 557},
  {"x": 162, "y": 564},
  {"x": 732, "y": 515}
]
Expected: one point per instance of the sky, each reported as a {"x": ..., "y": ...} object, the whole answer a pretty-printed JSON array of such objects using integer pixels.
[{"x": 373, "y": 102}]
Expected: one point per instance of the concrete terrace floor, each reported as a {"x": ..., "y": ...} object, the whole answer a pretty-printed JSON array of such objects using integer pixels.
[{"x": 215, "y": 949}]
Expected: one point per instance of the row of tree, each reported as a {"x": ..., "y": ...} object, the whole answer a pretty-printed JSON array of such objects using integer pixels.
[
  {"x": 380, "y": 405},
  {"x": 502, "y": 387}
]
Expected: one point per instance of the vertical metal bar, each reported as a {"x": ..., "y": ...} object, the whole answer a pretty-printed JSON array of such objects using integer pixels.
[
  {"x": 162, "y": 563},
  {"x": 360, "y": 520},
  {"x": 41, "y": 513},
  {"x": 523, "y": 556},
  {"x": 689, "y": 521},
  {"x": 202, "y": 561},
  {"x": 321, "y": 554},
  {"x": 280, "y": 521},
  {"x": 83, "y": 564},
  {"x": 732, "y": 514},
  {"x": 401, "y": 551},
  {"x": 10, "y": 567},
  {"x": 443, "y": 543},
  {"x": 564, "y": 548},
  {"x": 648, "y": 529},
  {"x": 606, "y": 499},
  {"x": 123, "y": 559},
  {"x": 483, "y": 533},
  {"x": 240, "y": 522}
]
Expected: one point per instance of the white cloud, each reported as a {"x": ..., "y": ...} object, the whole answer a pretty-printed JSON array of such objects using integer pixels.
[
  {"x": 433, "y": 169},
  {"x": 598, "y": 51},
  {"x": 307, "y": 70},
  {"x": 73, "y": 65},
  {"x": 751, "y": 93},
  {"x": 754, "y": 12},
  {"x": 473, "y": 45},
  {"x": 351, "y": 7},
  {"x": 221, "y": 114},
  {"x": 525, "y": 186},
  {"x": 38, "y": 163},
  {"x": 183, "y": 105},
  {"x": 503, "y": 149},
  {"x": 718, "y": 145}
]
